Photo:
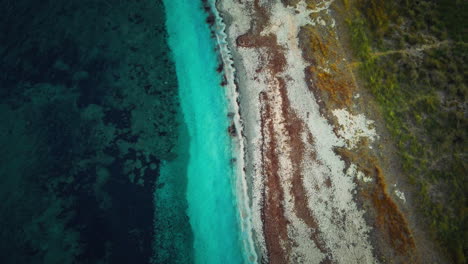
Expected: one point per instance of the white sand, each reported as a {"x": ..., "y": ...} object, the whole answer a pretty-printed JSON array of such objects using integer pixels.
[
  {"x": 341, "y": 223},
  {"x": 353, "y": 128}
]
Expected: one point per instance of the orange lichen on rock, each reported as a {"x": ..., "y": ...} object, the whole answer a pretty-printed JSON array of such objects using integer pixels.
[
  {"x": 317, "y": 44},
  {"x": 329, "y": 77},
  {"x": 389, "y": 221},
  {"x": 337, "y": 90},
  {"x": 389, "y": 216}
]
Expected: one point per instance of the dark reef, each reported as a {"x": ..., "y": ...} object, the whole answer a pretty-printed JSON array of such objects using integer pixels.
[{"x": 88, "y": 103}]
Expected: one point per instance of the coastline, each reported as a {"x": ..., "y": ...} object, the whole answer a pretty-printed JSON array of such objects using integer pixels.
[
  {"x": 309, "y": 199},
  {"x": 289, "y": 227},
  {"x": 236, "y": 131},
  {"x": 212, "y": 210}
]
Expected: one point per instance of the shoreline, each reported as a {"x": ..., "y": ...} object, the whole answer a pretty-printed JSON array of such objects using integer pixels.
[
  {"x": 303, "y": 188},
  {"x": 212, "y": 210},
  {"x": 237, "y": 136},
  {"x": 279, "y": 216}
]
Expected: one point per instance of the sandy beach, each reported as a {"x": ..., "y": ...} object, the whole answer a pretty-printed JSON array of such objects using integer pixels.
[
  {"x": 234, "y": 132},
  {"x": 305, "y": 197}
]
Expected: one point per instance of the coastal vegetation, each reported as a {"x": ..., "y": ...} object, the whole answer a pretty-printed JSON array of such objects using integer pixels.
[
  {"x": 411, "y": 56},
  {"x": 331, "y": 79}
]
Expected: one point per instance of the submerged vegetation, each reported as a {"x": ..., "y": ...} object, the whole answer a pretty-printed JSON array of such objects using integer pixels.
[
  {"x": 412, "y": 57},
  {"x": 89, "y": 112}
]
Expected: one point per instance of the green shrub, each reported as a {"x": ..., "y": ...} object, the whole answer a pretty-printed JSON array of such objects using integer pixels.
[{"x": 421, "y": 101}]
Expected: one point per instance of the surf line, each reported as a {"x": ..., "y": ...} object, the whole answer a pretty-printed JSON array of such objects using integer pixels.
[{"x": 239, "y": 177}]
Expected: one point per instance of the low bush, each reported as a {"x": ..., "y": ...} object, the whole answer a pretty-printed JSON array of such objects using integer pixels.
[{"x": 422, "y": 94}]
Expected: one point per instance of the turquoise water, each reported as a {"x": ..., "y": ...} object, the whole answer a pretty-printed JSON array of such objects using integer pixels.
[{"x": 211, "y": 203}]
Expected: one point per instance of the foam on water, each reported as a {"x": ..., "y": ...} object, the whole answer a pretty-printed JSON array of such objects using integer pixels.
[{"x": 212, "y": 205}]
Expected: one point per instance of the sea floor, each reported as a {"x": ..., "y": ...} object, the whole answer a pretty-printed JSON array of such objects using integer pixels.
[{"x": 89, "y": 109}]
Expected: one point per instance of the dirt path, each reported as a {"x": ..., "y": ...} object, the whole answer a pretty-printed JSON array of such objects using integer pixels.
[{"x": 413, "y": 51}]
